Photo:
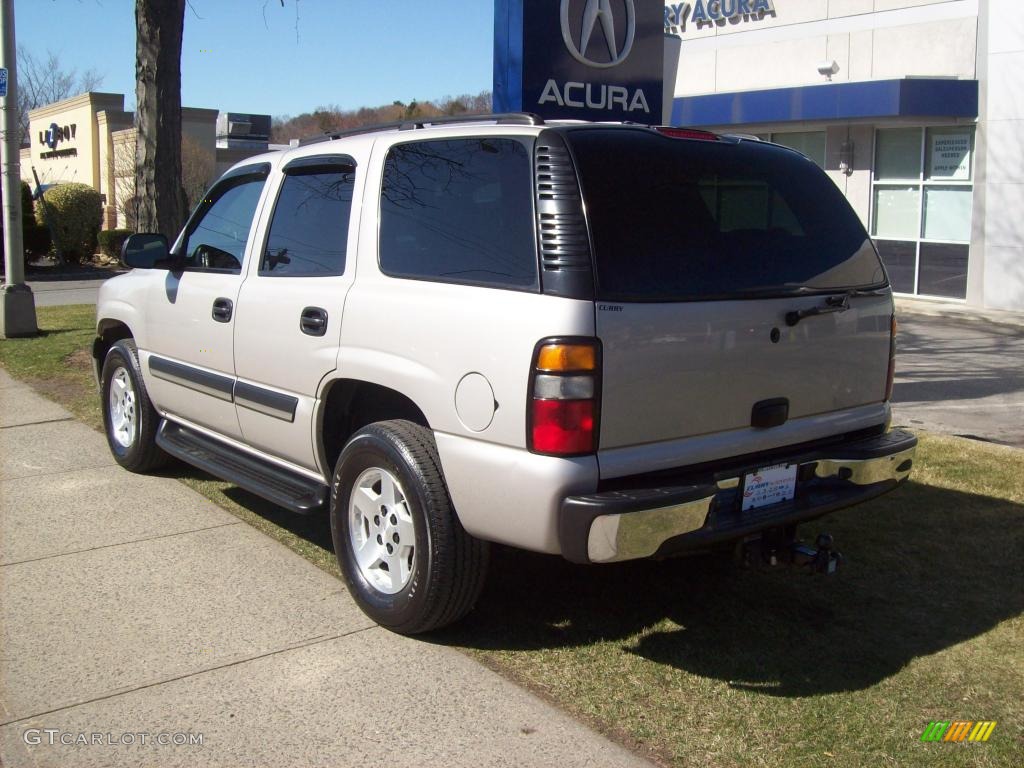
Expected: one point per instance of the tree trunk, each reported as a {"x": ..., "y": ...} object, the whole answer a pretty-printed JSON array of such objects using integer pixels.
[{"x": 160, "y": 197}]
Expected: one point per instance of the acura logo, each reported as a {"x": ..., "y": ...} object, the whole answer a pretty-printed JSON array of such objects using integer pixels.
[{"x": 600, "y": 12}]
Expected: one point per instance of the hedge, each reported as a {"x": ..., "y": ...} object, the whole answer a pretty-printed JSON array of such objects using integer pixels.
[
  {"x": 75, "y": 211},
  {"x": 111, "y": 240}
]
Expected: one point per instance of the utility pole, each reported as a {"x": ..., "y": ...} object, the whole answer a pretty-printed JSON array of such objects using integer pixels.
[{"x": 17, "y": 305}]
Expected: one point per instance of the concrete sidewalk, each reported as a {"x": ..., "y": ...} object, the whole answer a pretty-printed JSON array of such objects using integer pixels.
[{"x": 132, "y": 607}]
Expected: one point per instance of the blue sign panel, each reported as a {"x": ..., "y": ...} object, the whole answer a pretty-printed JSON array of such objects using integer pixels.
[
  {"x": 580, "y": 59},
  {"x": 3, "y": 83}
]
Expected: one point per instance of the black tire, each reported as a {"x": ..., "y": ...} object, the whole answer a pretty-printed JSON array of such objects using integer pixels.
[
  {"x": 141, "y": 453},
  {"x": 448, "y": 567}
]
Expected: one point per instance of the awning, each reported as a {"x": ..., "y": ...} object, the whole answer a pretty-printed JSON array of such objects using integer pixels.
[{"x": 911, "y": 97}]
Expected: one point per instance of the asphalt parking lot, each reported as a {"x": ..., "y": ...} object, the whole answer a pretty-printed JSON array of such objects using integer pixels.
[{"x": 960, "y": 376}]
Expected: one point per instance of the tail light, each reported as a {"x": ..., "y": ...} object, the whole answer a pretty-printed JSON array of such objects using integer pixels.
[
  {"x": 565, "y": 397},
  {"x": 891, "y": 376}
]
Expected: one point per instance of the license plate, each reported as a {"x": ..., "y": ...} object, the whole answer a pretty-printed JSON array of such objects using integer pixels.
[{"x": 769, "y": 485}]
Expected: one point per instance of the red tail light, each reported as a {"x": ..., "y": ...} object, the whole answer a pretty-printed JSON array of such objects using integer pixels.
[
  {"x": 891, "y": 375},
  {"x": 562, "y": 415}
]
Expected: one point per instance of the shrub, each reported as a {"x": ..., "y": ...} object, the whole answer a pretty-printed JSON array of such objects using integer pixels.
[
  {"x": 37, "y": 241},
  {"x": 111, "y": 240},
  {"x": 75, "y": 213}
]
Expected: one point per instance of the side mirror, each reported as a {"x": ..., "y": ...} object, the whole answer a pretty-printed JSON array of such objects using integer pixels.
[{"x": 146, "y": 251}]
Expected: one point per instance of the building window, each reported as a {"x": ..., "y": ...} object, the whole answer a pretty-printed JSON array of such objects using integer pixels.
[
  {"x": 921, "y": 208},
  {"x": 810, "y": 143}
]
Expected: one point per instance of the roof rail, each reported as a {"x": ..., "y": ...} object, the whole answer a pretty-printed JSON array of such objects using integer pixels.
[{"x": 504, "y": 118}]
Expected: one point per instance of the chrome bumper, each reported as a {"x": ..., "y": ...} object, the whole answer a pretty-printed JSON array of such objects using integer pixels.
[{"x": 628, "y": 525}]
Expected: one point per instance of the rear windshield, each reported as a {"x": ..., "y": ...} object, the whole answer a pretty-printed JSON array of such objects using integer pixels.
[{"x": 678, "y": 220}]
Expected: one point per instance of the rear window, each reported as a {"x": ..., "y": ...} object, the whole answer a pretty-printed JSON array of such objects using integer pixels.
[{"x": 679, "y": 220}]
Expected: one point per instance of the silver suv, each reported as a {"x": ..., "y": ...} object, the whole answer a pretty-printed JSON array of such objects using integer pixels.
[{"x": 601, "y": 341}]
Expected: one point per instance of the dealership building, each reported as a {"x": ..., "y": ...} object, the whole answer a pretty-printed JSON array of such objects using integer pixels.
[
  {"x": 915, "y": 108},
  {"x": 90, "y": 139}
]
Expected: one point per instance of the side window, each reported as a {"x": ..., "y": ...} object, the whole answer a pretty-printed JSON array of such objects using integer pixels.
[
  {"x": 460, "y": 211},
  {"x": 309, "y": 231},
  {"x": 216, "y": 240}
]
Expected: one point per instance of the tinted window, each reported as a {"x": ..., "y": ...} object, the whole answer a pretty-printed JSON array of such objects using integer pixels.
[
  {"x": 675, "y": 220},
  {"x": 460, "y": 211},
  {"x": 216, "y": 241},
  {"x": 309, "y": 232}
]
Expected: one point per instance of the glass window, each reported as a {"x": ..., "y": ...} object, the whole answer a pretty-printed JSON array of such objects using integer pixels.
[
  {"x": 897, "y": 212},
  {"x": 930, "y": 210},
  {"x": 948, "y": 154},
  {"x": 898, "y": 154},
  {"x": 309, "y": 232},
  {"x": 943, "y": 270},
  {"x": 899, "y": 259},
  {"x": 217, "y": 240},
  {"x": 810, "y": 143},
  {"x": 947, "y": 213},
  {"x": 679, "y": 220},
  {"x": 460, "y": 211}
]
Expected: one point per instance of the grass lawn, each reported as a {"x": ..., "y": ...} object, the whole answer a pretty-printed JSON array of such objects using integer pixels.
[{"x": 698, "y": 663}]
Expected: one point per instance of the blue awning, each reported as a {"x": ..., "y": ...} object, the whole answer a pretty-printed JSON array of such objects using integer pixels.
[{"x": 925, "y": 97}]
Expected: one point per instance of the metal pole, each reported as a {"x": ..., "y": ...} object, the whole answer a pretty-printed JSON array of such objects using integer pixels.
[{"x": 18, "y": 315}]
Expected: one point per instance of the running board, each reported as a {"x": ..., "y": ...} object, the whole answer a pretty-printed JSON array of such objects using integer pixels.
[{"x": 283, "y": 487}]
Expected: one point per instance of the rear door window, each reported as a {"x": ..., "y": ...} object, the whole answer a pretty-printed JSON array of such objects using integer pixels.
[
  {"x": 685, "y": 220},
  {"x": 460, "y": 211},
  {"x": 309, "y": 231}
]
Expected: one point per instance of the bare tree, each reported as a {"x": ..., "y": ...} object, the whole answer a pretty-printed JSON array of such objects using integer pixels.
[
  {"x": 198, "y": 169},
  {"x": 160, "y": 197},
  {"x": 44, "y": 81}
]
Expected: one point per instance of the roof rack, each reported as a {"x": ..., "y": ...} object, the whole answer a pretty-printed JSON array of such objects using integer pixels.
[{"x": 504, "y": 118}]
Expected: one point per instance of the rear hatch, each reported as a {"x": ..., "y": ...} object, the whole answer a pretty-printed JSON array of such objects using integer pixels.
[{"x": 702, "y": 248}]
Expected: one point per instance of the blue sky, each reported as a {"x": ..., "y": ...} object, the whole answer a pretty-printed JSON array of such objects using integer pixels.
[{"x": 243, "y": 56}]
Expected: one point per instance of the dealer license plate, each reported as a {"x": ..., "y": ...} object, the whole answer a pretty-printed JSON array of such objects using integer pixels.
[{"x": 769, "y": 485}]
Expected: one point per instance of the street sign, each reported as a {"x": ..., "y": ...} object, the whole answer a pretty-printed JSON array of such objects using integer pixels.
[{"x": 3, "y": 82}]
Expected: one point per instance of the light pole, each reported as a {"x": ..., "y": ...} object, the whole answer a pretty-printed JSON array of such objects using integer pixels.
[{"x": 17, "y": 306}]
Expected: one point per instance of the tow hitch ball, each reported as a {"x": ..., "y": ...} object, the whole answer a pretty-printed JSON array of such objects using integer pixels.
[{"x": 775, "y": 548}]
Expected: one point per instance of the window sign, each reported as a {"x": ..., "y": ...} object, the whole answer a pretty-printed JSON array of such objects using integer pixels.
[{"x": 951, "y": 156}]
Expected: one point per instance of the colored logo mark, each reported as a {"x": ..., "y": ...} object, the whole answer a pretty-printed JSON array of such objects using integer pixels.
[{"x": 959, "y": 730}]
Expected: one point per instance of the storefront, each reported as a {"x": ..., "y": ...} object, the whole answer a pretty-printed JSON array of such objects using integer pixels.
[
  {"x": 912, "y": 107},
  {"x": 90, "y": 139}
]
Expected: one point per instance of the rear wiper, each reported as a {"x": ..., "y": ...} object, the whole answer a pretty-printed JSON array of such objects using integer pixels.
[{"x": 832, "y": 304}]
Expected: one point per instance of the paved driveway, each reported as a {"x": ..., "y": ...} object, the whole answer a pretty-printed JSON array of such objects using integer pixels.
[
  {"x": 961, "y": 376},
  {"x": 51, "y": 293}
]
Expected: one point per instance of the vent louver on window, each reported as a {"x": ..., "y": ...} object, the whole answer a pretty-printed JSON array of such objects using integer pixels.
[{"x": 561, "y": 226}]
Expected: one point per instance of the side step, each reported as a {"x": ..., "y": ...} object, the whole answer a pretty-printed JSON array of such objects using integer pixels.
[{"x": 288, "y": 489}]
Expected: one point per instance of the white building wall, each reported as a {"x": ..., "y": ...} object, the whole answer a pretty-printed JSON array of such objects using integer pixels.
[
  {"x": 1002, "y": 123},
  {"x": 868, "y": 39}
]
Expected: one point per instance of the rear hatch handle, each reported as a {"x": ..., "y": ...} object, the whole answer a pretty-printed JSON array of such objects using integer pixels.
[{"x": 832, "y": 304}]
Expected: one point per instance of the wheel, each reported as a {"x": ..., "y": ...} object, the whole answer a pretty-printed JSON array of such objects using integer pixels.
[
  {"x": 129, "y": 419},
  {"x": 405, "y": 556}
]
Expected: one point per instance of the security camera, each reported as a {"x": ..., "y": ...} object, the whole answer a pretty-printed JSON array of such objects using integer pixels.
[{"x": 828, "y": 68}]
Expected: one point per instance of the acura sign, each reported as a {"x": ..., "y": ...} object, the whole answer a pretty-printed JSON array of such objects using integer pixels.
[{"x": 583, "y": 59}]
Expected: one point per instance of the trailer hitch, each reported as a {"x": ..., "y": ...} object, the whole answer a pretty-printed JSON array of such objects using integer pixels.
[{"x": 780, "y": 547}]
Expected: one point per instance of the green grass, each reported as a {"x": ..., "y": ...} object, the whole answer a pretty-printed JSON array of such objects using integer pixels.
[{"x": 698, "y": 663}]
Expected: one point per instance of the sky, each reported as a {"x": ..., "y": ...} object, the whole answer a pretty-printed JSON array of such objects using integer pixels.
[{"x": 255, "y": 56}]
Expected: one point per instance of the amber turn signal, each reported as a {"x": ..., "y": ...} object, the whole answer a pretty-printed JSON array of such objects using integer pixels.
[{"x": 567, "y": 357}]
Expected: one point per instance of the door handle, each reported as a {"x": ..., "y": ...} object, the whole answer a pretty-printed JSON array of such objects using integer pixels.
[
  {"x": 222, "y": 310},
  {"x": 313, "y": 321}
]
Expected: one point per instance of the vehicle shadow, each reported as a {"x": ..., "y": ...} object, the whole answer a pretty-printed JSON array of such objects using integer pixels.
[{"x": 927, "y": 568}]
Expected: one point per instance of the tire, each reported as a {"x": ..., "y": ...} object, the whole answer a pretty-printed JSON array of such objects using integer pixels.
[
  {"x": 406, "y": 589},
  {"x": 130, "y": 421}
]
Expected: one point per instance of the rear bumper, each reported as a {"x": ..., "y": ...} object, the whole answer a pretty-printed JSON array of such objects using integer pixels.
[{"x": 658, "y": 521}]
